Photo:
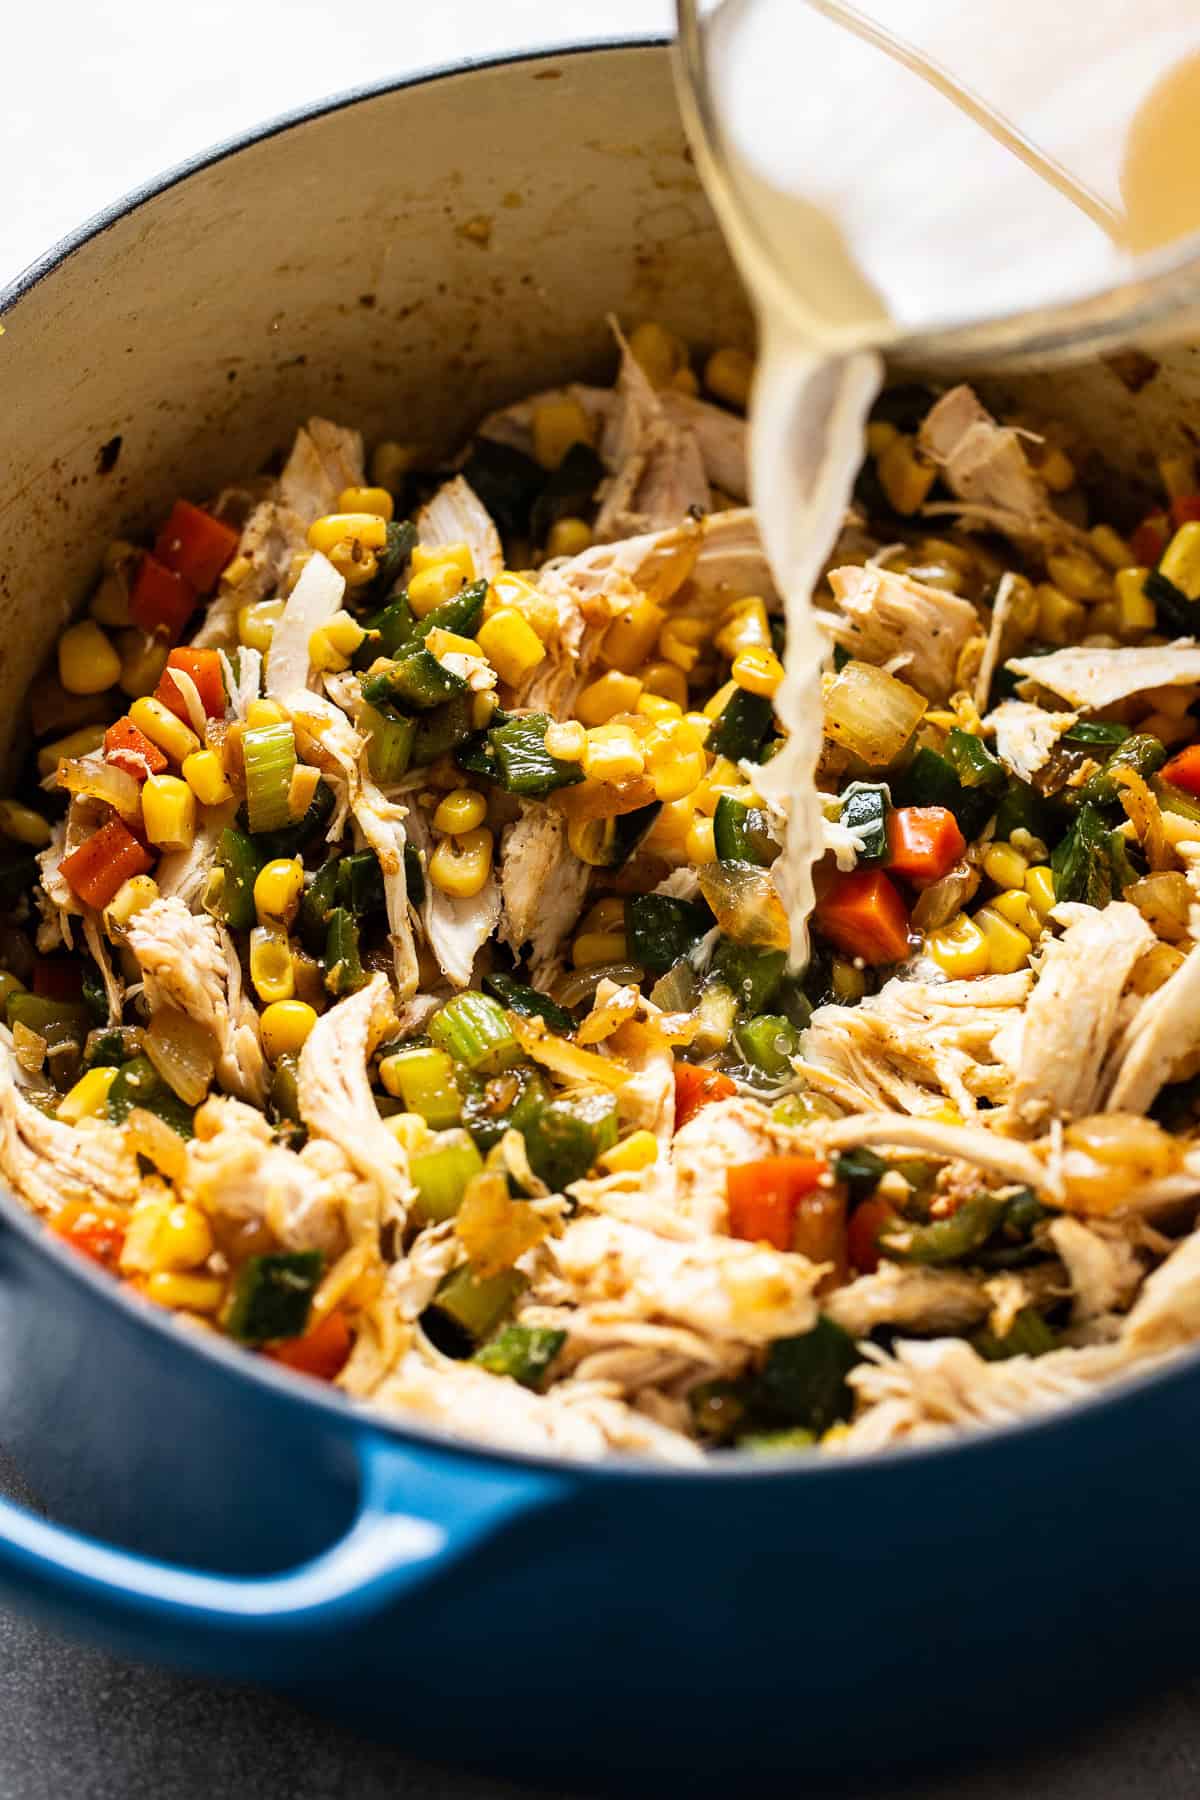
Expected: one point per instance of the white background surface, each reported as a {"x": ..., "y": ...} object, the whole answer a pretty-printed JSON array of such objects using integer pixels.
[{"x": 102, "y": 95}]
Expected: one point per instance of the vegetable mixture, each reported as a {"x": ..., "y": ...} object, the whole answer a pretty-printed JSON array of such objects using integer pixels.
[{"x": 396, "y": 980}]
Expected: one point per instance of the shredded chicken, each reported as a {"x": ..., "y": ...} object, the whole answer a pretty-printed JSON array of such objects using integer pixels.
[
  {"x": 1026, "y": 735},
  {"x": 542, "y": 886},
  {"x": 186, "y": 964},
  {"x": 52, "y": 1165},
  {"x": 885, "y": 616},
  {"x": 909, "y": 1299},
  {"x": 1091, "y": 677},
  {"x": 335, "y": 1095},
  {"x": 456, "y": 515},
  {"x": 985, "y": 465},
  {"x": 658, "y": 469}
]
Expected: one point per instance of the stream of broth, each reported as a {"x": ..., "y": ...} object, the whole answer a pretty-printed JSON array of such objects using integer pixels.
[{"x": 997, "y": 158}]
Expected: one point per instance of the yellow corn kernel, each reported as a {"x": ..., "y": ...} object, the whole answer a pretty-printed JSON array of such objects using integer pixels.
[
  {"x": 186, "y": 1293},
  {"x": 511, "y": 589},
  {"x": 23, "y": 825},
  {"x": 235, "y": 572},
  {"x": 264, "y": 712},
  {"x": 679, "y": 642},
  {"x": 1110, "y": 546},
  {"x": 271, "y": 968},
  {"x": 277, "y": 890},
  {"x": 432, "y": 556},
  {"x": 960, "y": 949},
  {"x": 594, "y": 947},
  {"x": 879, "y": 434},
  {"x": 677, "y": 771},
  {"x": 946, "y": 1114},
  {"x": 354, "y": 564},
  {"x": 567, "y": 741},
  {"x": 1060, "y": 619},
  {"x": 204, "y": 773},
  {"x": 1015, "y": 905},
  {"x": 701, "y": 844},
  {"x": 143, "y": 659},
  {"x": 391, "y": 462},
  {"x": 728, "y": 374},
  {"x": 607, "y": 695},
  {"x": 684, "y": 382},
  {"x": 557, "y": 424},
  {"x": 344, "y": 632},
  {"x": 1078, "y": 576},
  {"x": 668, "y": 836},
  {"x": 161, "y": 726},
  {"x": 613, "y": 753},
  {"x": 323, "y": 656},
  {"x": 758, "y": 672},
  {"x": 461, "y": 866},
  {"x": 77, "y": 743},
  {"x": 179, "y": 1238},
  {"x": 1178, "y": 473},
  {"x": 87, "y": 661},
  {"x": 1056, "y": 469},
  {"x": 256, "y": 624},
  {"x": 129, "y": 899},
  {"x": 633, "y": 634},
  {"x": 1134, "y": 607},
  {"x": 568, "y": 537},
  {"x": 1039, "y": 885},
  {"x": 665, "y": 680},
  {"x": 434, "y": 586},
  {"x": 1104, "y": 621},
  {"x": 699, "y": 724},
  {"x": 169, "y": 812},
  {"x": 285, "y": 1026},
  {"x": 1007, "y": 948},
  {"x": 723, "y": 778},
  {"x": 1156, "y": 967},
  {"x": 88, "y": 1098},
  {"x": 591, "y": 840},
  {"x": 720, "y": 700},
  {"x": 848, "y": 981},
  {"x": 653, "y": 706},
  {"x": 364, "y": 528},
  {"x": 906, "y": 474},
  {"x": 1004, "y": 865},
  {"x": 635, "y": 1152},
  {"x": 510, "y": 644},
  {"x": 658, "y": 350},
  {"x": 743, "y": 626},
  {"x": 462, "y": 809},
  {"x": 1180, "y": 563},
  {"x": 607, "y": 915},
  {"x": 483, "y": 705},
  {"x": 374, "y": 500},
  {"x": 109, "y": 605}
]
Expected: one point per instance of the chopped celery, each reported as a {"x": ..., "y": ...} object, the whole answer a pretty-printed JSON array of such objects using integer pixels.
[
  {"x": 660, "y": 930},
  {"x": 1144, "y": 754},
  {"x": 523, "y": 1352},
  {"x": 754, "y": 975},
  {"x": 360, "y": 883},
  {"x": 523, "y": 765},
  {"x": 474, "y": 1030},
  {"x": 424, "y": 1078},
  {"x": 416, "y": 679},
  {"x": 440, "y": 1175},
  {"x": 318, "y": 901},
  {"x": 414, "y": 875},
  {"x": 294, "y": 840},
  {"x": 864, "y": 811},
  {"x": 777, "y": 1443},
  {"x": 859, "y": 1171},
  {"x": 442, "y": 730},
  {"x": 139, "y": 1084},
  {"x": 272, "y": 1296},
  {"x": 270, "y": 756},
  {"x": 57, "y": 1021},
  {"x": 945, "y": 1240},
  {"x": 566, "y": 1137},
  {"x": 508, "y": 1102},
  {"x": 803, "y": 1379},
  {"x": 230, "y": 892},
  {"x": 390, "y": 749},
  {"x": 768, "y": 1044},
  {"x": 569, "y": 492},
  {"x": 476, "y": 1306},
  {"x": 742, "y": 833},
  {"x": 528, "y": 1003},
  {"x": 343, "y": 965},
  {"x": 1028, "y": 1335},
  {"x": 741, "y": 727}
]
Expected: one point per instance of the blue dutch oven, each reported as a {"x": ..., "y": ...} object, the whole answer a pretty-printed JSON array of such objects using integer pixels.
[{"x": 576, "y": 1623}]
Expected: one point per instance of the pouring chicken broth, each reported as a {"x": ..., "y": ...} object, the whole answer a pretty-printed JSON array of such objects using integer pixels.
[{"x": 466, "y": 939}]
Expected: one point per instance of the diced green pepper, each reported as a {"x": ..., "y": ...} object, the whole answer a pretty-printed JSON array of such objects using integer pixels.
[
  {"x": 474, "y": 1030},
  {"x": 1021, "y": 808},
  {"x": 425, "y": 1080},
  {"x": 972, "y": 761},
  {"x": 718, "y": 1409},
  {"x": 1175, "y": 614},
  {"x": 417, "y": 679},
  {"x": 1096, "y": 731},
  {"x": 523, "y": 1352},
  {"x": 343, "y": 964},
  {"x": 272, "y": 1296},
  {"x": 740, "y": 729},
  {"x": 768, "y": 1044},
  {"x": 389, "y": 632},
  {"x": 945, "y": 1240},
  {"x": 392, "y": 735},
  {"x": 660, "y": 930},
  {"x": 229, "y": 895},
  {"x": 1028, "y": 1335},
  {"x": 139, "y": 1084},
  {"x": 523, "y": 765},
  {"x": 931, "y": 780},
  {"x": 440, "y": 1175},
  {"x": 803, "y": 1379},
  {"x": 859, "y": 1171},
  {"x": 360, "y": 884},
  {"x": 316, "y": 904},
  {"x": 442, "y": 730},
  {"x": 567, "y": 1135},
  {"x": 528, "y": 1003},
  {"x": 754, "y": 975},
  {"x": 111, "y": 1046},
  {"x": 462, "y": 613},
  {"x": 392, "y": 560},
  {"x": 742, "y": 833},
  {"x": 477, "y": 1304},
  {"x": 507, "y": 481},
  {"x": 864, "y": 811}
]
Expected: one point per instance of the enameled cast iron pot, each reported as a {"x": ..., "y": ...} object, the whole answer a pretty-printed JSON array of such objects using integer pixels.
[{"x": 575, "y": 1623}]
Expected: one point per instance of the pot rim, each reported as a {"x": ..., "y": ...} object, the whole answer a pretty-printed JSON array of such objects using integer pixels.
[{"x": 343, "y": 1412}]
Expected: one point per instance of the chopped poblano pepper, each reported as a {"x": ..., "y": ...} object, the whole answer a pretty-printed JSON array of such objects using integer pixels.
[
  {"x": 360, "y": 883},
  {"x": 661, "y": 929},
  {"x": 528, "y": 1003},
  {"x": 112, "y": 1046},
  {"x": 522, "y": 764},
  {"x": 1028, "y": 1335},
  {"x": 564, "y": 1139},
  {"x": 462, "y": 613},
  {"x": 392, "y": 734},
  {"x": 864, "y": 811},
  {"x": 508, "y": 1102},
  {"x": 343, "y": 965},
  {"x": 768, "y": 1044},
  {"x": 57, "y": 1021},
  {"x": 414, "y": 875},
  {"x": 316, "y": 904},
  {"x": 442, "y": 730},
  {"x": 392, "y": 560},
  {"x": 569, "y": 492},
  {"x": 945, "y": 1240},
  {"x": 932, "y": 780},
  {"x": 803, "y": 1379},
  {"x": 1088, "y": 865},
  {"x": 740, "y": 729},
  {"x": 859, "y": 1171},
  {"x": 753, "y": 975},
  {"x": 524, "y": 1352},
  {"x": 229, "y": 895},
  {"x": 416, "y": 679},
  {"x": 1096, "y": 731},
  {"x": 294, "y": 840},
  {"x": 272, "y": 1295},
  {"x": 139, "y": 1084},
  {"x": 507, "y": 481},
  {"x": 742, "y": 833},
  {"x": 1175, "y": 613},
  {"x": 1144, "y": 754}
]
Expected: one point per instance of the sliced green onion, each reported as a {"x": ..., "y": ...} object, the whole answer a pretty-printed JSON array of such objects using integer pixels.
[
  {"x": 474, "y": 1030},
  {"x": 270, "y": 753},
  {"x": 440, "y": 1175},
  {"x": 477, "y": 1306},
  {"x": 424, "y": 1079}
]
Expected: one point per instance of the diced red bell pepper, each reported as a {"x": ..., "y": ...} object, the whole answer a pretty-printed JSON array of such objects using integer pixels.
[
  {"x": 868, "y": 1222},
  {"x": 765, "y": 1197},
  {"x": 1183, "y": 771},
  {"x": 102, "y": 862},
  {"x": 1185, "y": 510},
  {"x": 195, "y": 545},
  {"x": 863, "y": 914},
  {"x": 1150, "y": 539},
  {"x": 321, "y": 1352},
  {"x": 160, "y": 599},
  {"x": 93, "y": 1228},
  {"x": 57, "y": 978},
  {"x": 204, "y": 667},
  {"x": 924, "y": 843},
  {"x": 130, "y": 749},
  {"x": 696, "y": 1088}
]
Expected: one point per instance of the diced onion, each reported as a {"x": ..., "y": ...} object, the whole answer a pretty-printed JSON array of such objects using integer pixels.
[
  {"x": 149, "y": 1136},
  {"x": 91, "y": 778},
  {"x": 939, "y": 902},
  {"x": 871, "y": 714},
  {"x": 583, "y": 984},
  {"x": 565, "y": 1059},
  {"x": 314, "y": 600},
  {"x": 183, "y": 1053},
  {"x": 746, "y": 904}
]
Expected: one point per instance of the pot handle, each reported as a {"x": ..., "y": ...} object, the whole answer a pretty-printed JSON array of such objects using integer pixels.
[{"x": 419, "y": 1513}]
